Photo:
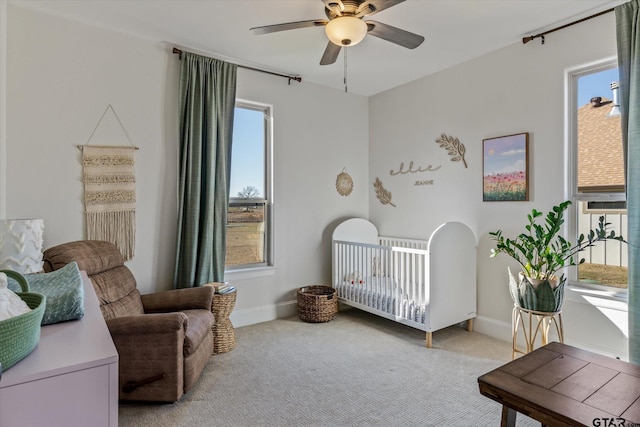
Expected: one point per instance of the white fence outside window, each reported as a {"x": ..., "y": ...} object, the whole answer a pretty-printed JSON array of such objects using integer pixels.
[{"x": 609, "y": 252}]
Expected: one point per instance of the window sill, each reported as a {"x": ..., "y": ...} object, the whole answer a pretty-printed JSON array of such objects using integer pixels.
[
  {"x": 605, "y": 298},
  {"x": 249, "y": 273}
]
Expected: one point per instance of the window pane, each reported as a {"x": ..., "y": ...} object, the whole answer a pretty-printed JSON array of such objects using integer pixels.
[
  {"x": 247, "y": 219},
  {"x": 246, "y": 234},
  {"x": 600, "y": 178},
  {"x": 606, "y": 262},
  {"x": 248, "y": 153},
  {"x": 600, "y": 161}
]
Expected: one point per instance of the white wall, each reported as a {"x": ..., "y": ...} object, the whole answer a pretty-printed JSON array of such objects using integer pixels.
[
  {"x": 516, "y": 89},
  {"x": 61, "y": 77}
]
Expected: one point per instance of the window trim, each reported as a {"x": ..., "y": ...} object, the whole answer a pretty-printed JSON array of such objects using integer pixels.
[
  {"x": 610, "y": 188},
  {"x": 603, "y": 211},
  {"x": 268, "y": 199}
]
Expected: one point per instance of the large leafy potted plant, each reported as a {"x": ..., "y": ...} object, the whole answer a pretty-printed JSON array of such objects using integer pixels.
[{"x": 542, "y": 251}]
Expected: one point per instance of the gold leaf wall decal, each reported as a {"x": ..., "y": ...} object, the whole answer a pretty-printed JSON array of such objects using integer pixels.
[
  {"x": 382, "y": 193},
  {"x": 454, "y": 148}
]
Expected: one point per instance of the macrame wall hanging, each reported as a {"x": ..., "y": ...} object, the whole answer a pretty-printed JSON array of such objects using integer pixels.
[{"x": 109, "y": 179}]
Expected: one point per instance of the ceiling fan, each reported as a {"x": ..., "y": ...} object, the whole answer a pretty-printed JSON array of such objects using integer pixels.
[{"x": 346, "y": 26}]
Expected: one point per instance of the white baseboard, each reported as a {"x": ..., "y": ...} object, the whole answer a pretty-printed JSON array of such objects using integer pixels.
[
  {"x": 265, "y": 313},
  {"x": 493, "y": 328},
  {"x": 502, "y": 331}
]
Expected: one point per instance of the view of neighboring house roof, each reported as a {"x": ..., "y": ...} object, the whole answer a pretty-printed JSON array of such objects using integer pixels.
[{"x": 600, "y": 161}]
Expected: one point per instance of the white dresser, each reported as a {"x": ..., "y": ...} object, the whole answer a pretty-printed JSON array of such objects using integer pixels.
[{"x": 70, "y": 379}]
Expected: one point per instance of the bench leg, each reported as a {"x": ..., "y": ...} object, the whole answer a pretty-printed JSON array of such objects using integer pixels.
[{"x": 508, "y": 417}]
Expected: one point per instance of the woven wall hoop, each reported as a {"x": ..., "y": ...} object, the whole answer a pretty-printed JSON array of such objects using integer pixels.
[{"x": 344, "y": 183}]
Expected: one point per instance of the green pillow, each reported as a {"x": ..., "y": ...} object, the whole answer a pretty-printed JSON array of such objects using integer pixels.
[{"x": 64, "y": 292}]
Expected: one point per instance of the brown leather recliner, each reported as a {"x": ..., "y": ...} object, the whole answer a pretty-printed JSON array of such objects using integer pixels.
[{"x": 164, "y": 340}]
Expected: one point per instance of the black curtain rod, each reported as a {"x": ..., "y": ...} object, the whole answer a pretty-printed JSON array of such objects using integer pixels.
[
  {"x": 541, "y": 35},
  {"x": 296, "y": 78}
]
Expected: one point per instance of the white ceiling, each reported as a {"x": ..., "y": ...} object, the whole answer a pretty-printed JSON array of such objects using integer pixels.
[{"x": 454, "y": 30}]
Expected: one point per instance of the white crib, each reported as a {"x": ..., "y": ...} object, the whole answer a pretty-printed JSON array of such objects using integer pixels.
[{"x": 428, "y": 285}]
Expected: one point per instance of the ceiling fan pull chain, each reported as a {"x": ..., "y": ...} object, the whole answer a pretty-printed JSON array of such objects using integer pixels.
[{"x": 345, "y": 68}]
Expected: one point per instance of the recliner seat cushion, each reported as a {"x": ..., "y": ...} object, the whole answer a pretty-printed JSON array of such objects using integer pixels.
[{"x": 200, "y": 322}]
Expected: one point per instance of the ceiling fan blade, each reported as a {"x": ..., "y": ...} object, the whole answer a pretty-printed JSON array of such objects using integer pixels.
[
  {"x": 288, "y": 26},
  {"x": 371, "y": 7},
  {"x": 394, "y": 35},
  {"x": 330, "y": 54}
]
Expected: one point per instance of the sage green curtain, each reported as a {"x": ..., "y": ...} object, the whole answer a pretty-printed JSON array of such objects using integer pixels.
[
  {"x": 207, "y": 100},
  {"x": 628, "y": 39}
]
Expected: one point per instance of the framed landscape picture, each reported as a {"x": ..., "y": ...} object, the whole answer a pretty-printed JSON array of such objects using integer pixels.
[{"x": 505, "y": 168}]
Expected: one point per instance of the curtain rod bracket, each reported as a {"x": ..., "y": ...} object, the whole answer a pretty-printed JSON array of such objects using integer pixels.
[{"x": 526, "y": 40}]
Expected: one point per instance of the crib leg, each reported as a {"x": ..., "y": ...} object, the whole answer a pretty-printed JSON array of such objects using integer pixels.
[
  {"x": 429, "y": 340},
  {"x": 470, "y": 325}
]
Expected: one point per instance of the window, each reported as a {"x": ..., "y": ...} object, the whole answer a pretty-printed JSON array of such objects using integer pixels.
[
  {"x": 249, "y": 214},
  {"x": 597, "y": 173}
]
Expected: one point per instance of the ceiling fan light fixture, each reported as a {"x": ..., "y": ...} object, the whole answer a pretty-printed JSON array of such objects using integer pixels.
[{"x": 346, "y": 30}]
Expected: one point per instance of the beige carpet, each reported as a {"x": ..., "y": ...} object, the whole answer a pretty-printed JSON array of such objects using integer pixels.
[{"x": 356, "y": 370}]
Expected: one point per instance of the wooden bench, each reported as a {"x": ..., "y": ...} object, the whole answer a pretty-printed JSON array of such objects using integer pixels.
[{"x": 560, "y": 385}]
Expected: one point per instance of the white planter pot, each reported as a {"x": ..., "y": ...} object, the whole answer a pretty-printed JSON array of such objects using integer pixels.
[{"x": 553, "y": 281}]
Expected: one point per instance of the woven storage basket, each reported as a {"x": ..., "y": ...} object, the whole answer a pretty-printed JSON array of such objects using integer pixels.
[
  {"x": 317, "y": 303},
  {"x": 19, "y": 335},
  {"x": 223, "y": 332}
]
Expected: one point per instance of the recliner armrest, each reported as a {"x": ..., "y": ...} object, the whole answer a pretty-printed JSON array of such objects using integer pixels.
[
  {"x": 178, "y": 299},
  {"x": 157, "y": 323},
  {"x": 150, "y": 355}
]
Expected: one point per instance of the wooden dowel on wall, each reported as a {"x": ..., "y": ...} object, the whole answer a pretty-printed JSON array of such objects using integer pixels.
[{"x": 81, "y": 147}]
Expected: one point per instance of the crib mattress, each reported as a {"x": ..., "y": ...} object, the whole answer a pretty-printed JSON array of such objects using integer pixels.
[{"x": 381, "y": 293}]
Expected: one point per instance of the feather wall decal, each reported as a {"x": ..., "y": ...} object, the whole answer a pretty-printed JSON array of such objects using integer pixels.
[
  {"x": 382, "y": 193},
  {"x": 454, "y": 148}
]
